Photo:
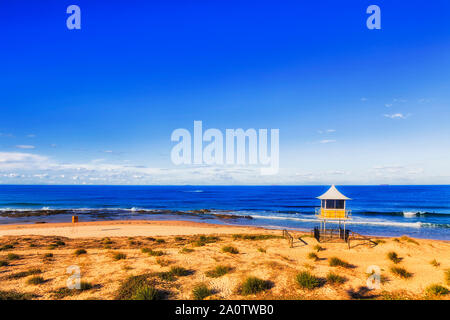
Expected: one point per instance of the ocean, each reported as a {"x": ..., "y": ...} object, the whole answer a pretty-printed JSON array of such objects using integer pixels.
[{"x": 416, "y": 211}]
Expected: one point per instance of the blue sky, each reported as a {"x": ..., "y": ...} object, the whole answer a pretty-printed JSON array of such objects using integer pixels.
[{"x": 98, "y": 105}]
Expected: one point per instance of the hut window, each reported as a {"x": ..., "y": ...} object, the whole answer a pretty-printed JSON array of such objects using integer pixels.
[{"x": 339, "y": 204}]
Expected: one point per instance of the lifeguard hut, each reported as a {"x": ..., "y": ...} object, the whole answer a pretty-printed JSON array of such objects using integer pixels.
[{"x": 332, "y": 210}]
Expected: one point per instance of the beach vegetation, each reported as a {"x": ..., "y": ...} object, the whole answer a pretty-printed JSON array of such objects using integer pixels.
[
  {"x": 84, "y": 285},
  {"x": 4, "y": 263},
  {"x": 408, "y": 239},
  {"x": 180, "y": 271},
  {"x": 59, "y": 243},
  {"x": 179, "y": 239},
  {"x": 447, "y": 276},
  {"x": 131, "y": 285},
  {"x": 48, "y": 255},
  {"x": 379, "y": 241},
  {"x": 336, "y": 262},
  {"x": 218, "y": 271},
  {"x": 186, "y": 250},
  {"x": 313, "y": 256},
  {"x": 334, "y": 278},
  {"x": 160, "y": 241},
  {"x": 166, "y": 276},
  {"x": 383, "y": 278},
  {"x": 14, "y": 295},
  {"x": 201, "y": 291},
  {"x": 307, "y": 280},
  {"x": 35, "y": 280},
  {"x": 155, "y": 253},
  {"x": 230, "y": 249},
  {"x": 255, "y": 236},
  {"x": 262, "y": 250},
  {"x": 12, "y": 256},
  {"x": 401, "y": 272},
  {"x": 253, "y": 285},
  {"x": 393, "y": 256},
  {"x": 119, "y": 256},
  {"x": 146, "y": 292},
  {"x": 436, "y": 290},
  {"x": 163, "y": 262},
  {"x": 33, "y": 245},
  {"x": 23, "y": 274},
  {"x": 318, "y": 248},
  {"x": 203, "y": 240},
  {"x": 6, "y": 247},
  {"x": 435, "y": 263},
  {"x": 107, "y": 241},
  {"x": 79, "y": 252}
]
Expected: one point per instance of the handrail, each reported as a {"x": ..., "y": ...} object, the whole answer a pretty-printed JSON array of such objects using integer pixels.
[{"x": 289, "y": 237}]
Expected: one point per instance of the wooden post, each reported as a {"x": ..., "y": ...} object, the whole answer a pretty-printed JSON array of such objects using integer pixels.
[{"x": 74, "y": 219}]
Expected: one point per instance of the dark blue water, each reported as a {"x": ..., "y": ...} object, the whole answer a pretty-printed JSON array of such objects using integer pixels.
[{"x": 376, "y": 210}]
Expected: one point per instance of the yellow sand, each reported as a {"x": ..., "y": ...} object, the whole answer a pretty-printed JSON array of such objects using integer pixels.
[{"x": 279, "y": 263}]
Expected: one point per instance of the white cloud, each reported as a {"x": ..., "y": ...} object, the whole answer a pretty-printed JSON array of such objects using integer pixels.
[
  {"x": 364, "y": 99},
  {"x": 31, "y": 136},
  {"x": 327, "y": 141},
  {"x": 25, "y": 146},
  {"x": 396, "y": 116}
]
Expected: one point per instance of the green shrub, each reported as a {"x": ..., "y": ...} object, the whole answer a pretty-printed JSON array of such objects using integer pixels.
[
  {"x": 146, "y": 293},
  {"x": 307, "y": 281},
  {"x": 130, "y": 286},
  {"x": 401, "y": 272},
  {"x": 107, "y": 241},
  {"x": 437, "y": 290},
  {"x": 6, "y": 247},
  {"x": 59, "y": 243},
  {"x": 35, "y": 280},
  {"x": 318, "y": 248},
  {"x": 23, "y": 274},
  {"x": 447, "y": 276},
  {"x": 12, "y": 256},
  {"x": 4, "y": 263},
  {"x": 155, "y": 253},
  {"x": 333, "y": 278},
  {"x": 14, "y": 295},
  {"x": 253, "y": 285},
  {"x": 166, "y": 276},
  {"x": 230, "y": 249},
  {"x": 179, "y": 271},
  {"x": 336, "y": 262},
  {"x": 262, "y": 250},
  {"x": 80, "y": 252},
  {"x": 255, "y": 236},
  {"x": 186, "y": 250},
  {"x": 313, "y": 256},
  {"x": 435, "y": 263},
  {"x": 85, "y": 286},
  {"x": 203, "y": 240},
  {"x": 394, "y": 257},
  {"x": 160, "y": 241},
  {"x": 48, "y": 255},
  {"x": 119, "y": 256},
  {"x": 405, "y": 238},
  {"x": 201, "y": 291},
  {"x": 218, "y": 271},
  {"x": 179, "y": 239}
]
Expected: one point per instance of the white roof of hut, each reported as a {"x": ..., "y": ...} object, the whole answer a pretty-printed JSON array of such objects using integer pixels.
[{"x": 333, "y": 194}]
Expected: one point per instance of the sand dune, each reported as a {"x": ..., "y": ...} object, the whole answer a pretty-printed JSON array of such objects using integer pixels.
[{"x": 267, "y": 257}]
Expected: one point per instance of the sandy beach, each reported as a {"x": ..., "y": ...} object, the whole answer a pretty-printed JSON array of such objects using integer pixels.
[{"x": 113, "y": 254}]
